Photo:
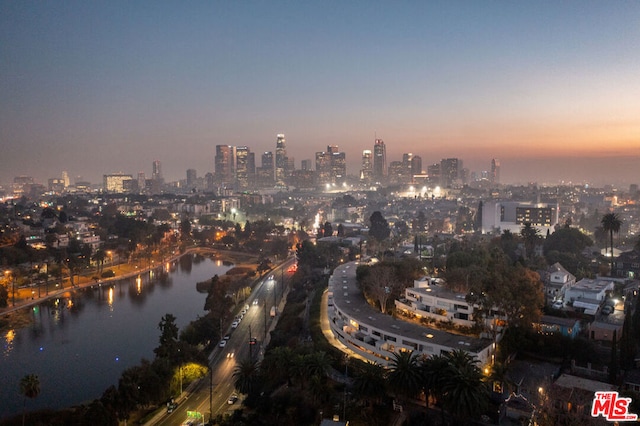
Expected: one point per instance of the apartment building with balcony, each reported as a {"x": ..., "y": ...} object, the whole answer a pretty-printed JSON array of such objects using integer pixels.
[
  {"x": 376, "y": 336},
  {"x": 429, "y": 298}
]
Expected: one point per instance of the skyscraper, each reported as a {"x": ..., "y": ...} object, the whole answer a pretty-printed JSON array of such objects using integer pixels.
[
  {"x": 242, "y": 167},
  {"x": 366, "y": 172},
  {"x": 65, "y": 178},
  {"x": 157, "y": 181},
  {"x": 379, "y": 160},
  {"x": 416, "y": 165},
  {"x": 224, "y": 164},
  {"x": 191, "y": 178},
  {"x": 450, "y": 169},
  {"x": 281, "y": 159},
  {"x": 265, "y": 173},
  {"x": 157, "y": 170},
  {"x": 495, "y": 171}
]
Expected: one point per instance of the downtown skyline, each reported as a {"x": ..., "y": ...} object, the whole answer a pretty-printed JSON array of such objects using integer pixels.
[{"x": 549, "y": 89}]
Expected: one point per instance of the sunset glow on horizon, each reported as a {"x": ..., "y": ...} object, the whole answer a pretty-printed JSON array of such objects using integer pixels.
[{"x": 99, "y": 87}]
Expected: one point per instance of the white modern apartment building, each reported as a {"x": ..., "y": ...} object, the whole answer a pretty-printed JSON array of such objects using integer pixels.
[
  {"x": 376, "y": 336},
  {"x": 428, "y": 299}
]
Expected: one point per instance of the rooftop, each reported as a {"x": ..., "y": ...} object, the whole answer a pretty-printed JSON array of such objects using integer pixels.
[{"x": 349, "y": 299}]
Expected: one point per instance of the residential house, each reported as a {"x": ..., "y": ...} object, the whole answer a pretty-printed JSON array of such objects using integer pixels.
[{"x": 557, "y": 280}]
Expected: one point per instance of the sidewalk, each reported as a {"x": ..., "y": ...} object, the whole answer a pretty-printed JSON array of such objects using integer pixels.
[{"x": 130, "y": 270}]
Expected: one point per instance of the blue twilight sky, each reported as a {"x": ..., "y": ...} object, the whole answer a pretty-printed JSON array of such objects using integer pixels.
[{"x": 550, "y": 88}]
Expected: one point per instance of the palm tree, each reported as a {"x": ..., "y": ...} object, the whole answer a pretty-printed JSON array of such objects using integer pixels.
[
  {"x": 465, "y": 394},
  {"x": 30, "y": 388},
  {"x": 99, "y": 257},
  {"x": 246, "y": 376},
  {"x": 611, "y": 223},
  {"x": 369, "y": 383},
  {"x": 317, "y": 364},
  {"x": 404, "y": 376}
]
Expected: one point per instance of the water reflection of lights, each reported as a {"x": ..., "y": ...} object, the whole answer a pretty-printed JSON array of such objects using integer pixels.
[
  {"x": 151, "y": 274},
  {"x": 69, "y": 304},
  {"x": 110, "y": 299},
  {"x": 139, "y": 284},
  {"x": 9, "y": 338}
]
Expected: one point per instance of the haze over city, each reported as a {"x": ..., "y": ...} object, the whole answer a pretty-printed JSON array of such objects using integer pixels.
[{"x": 551, "y": 89}]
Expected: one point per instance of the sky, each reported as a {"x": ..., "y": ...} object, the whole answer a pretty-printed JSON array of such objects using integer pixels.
[{"x": 551, "y": 89}]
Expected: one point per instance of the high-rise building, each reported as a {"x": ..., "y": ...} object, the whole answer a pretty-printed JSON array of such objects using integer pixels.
[
  {"x": 323, "y": 168},
  {"x": 495, "y": 171},
  {"x": 331, "y": 166},
  {"x": 433, "y": 174},
  {"x": 416, "y": 165},
  {"x": 265, "y": 173},
  {"x": 224, "y": 165},
  {"x": 338, "y": 167},
  {"x": 142, "y": 182},
  {"x": 366, "y": 172},
  {"x": 65, "y": 178},
  {"x": 281, "y": 159},
  {"x": 192, "y": 176},
  {"x": 242, "y": 167},
  {"x": 450, "y": 171},
  {"x": 157, "y": 181},
  {"x": 115, "y": 183},
  {"x": 379, "y": 160},
  {"x": 157, "y": 170},
  {"x": 306, "y": 165}
]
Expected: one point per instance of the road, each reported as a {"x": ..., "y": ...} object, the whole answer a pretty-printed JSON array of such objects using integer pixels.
[{"x": 257, "y": 323}]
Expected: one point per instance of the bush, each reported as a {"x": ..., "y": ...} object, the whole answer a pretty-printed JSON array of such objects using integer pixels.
[{"x": 108, "y": 274}]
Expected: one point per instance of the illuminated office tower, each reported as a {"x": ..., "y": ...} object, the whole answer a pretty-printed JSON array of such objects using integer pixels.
[
  {"x": 495, "y": 171},
  {"x": 243, "y": 165},
  {"x": 142, "y": 182},
  {"x": 379, "y": 160},
  {"x": 450, "y": 171},
  {"x": 281, "y": 159},
  {"x": 65, "y": 178},
  {"x": 265, "y": 173},
  {"x": 366, "y": 172},
  {"x": 224, "y": 165}
]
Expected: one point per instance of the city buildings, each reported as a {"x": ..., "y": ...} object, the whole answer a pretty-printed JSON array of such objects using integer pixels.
[
  {"x": 281, "y": 164},
  {"x": 379, "y": 160}
]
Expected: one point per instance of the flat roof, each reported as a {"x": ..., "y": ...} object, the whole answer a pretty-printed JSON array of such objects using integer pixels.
[{"x": 349, "y": 299}]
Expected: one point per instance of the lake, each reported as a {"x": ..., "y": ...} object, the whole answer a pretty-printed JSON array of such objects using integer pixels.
[{"x": 79, "y": 345}]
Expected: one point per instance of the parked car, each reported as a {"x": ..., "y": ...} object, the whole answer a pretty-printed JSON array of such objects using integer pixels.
[
  {"x": 607, "y": 310},
  {"x": 222, "y": 343},
  {"x": 558, "y": 304},
  {"x": 232, "y": 399},
  {"x": 235, "y": 324},
  {"x": 255, "y": 302}
]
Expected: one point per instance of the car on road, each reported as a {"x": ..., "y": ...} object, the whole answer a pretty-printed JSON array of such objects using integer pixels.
[
  {"x": 607, "y": 310},
  {"x": 171, "y": 406},
  {"x": 235, "y": 324},
  {"x": 270, "y": 277},
  {"x": 557, "y": 304},
  {"x": 232, "y": 399},
  {"x": 227, "y": 337},
  {"x": 231, "y": 354},
  {"x": 222, "y": 343},
  {"x": 255, "y": 302},
  {"x": 253, "y": 341}
]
